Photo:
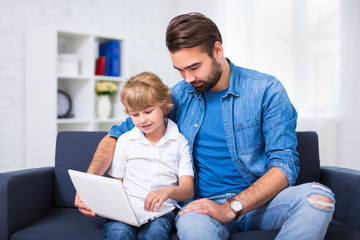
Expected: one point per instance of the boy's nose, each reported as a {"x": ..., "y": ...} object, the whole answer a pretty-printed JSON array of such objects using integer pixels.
[{"x": 142, "y": 118}]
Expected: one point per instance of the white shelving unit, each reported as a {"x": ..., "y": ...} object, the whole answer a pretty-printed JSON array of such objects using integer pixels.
[{"x": 43, "y": 82}]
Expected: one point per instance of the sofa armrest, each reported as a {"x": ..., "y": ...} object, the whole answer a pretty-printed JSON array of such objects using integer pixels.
[
  {"x": 25, "y": 197},
  {"x": 345, "y": 184}
]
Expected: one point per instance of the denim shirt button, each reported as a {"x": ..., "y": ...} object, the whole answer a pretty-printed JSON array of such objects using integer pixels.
[{"x": 196, "y": 125}]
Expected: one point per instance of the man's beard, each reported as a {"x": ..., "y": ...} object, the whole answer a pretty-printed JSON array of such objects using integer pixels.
[{"x": 213, "y": 78}]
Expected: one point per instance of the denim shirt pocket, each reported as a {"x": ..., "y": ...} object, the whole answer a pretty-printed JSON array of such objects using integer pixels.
[{"x": 248, "y": 136}]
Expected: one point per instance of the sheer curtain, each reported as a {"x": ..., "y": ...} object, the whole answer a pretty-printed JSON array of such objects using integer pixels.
[
  {"x": 297, "y": 41},
  {"x": 316, "y": 54},
  {"x": 349, "y": 143}
]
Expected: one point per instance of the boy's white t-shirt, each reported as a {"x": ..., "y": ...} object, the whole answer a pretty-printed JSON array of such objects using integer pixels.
[{"x": 145, "y": 167}]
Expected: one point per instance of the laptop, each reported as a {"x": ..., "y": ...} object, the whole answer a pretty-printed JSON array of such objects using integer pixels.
[{"x": 107, "y": 198}]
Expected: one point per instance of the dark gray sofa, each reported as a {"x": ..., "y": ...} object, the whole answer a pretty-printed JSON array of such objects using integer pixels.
[{"x": 39, "y": 203}]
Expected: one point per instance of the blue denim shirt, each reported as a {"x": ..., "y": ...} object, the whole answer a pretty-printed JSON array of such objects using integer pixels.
[{"x": 258, "y": 117}]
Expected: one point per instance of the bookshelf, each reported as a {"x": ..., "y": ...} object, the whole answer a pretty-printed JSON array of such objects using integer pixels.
[{"x": 45, "y": 76}]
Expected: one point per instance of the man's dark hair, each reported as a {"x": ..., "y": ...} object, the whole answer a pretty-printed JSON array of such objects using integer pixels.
[{"x": 192, "y": 30}]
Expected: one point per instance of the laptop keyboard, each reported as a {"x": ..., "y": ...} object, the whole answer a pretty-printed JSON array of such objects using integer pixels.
[{"x": 138, "y": 207}]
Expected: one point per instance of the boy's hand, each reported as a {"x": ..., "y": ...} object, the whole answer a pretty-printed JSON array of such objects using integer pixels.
[{"x": 155, "y": 199}]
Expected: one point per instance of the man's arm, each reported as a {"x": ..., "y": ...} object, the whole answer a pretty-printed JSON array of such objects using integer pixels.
[
  {"x": 262, "y": 191},
  {"x": 103, "y": 156},
  {"x": 100, "y": 162}
]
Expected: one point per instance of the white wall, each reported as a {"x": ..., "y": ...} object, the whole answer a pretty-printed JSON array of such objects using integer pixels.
[{"x": 142, "y": 22}]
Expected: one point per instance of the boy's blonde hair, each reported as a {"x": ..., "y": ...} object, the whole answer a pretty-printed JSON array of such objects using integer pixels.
[{"x": 144, "y": 90}]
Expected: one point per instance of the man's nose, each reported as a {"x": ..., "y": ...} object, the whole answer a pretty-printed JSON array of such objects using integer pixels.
[{"x": 189, "y": 77}]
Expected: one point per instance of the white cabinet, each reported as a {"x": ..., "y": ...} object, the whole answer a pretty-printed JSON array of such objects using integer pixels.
[{"x": 44, "y": 77}]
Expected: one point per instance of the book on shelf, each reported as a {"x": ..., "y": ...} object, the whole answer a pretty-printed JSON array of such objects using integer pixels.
[
  {"x": 115, "y": 58},
  {"x": 111, "y": 51},
  {"x": 100, "y": 66}
]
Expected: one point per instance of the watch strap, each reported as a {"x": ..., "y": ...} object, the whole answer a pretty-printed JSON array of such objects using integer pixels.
[{"x": 238, "y": 213}]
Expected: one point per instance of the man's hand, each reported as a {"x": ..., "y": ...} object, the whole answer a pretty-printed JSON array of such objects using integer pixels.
[
  {"x": 100, "y": 162},
  {"x": 220, "y": 212},
  {"x": 83, "y": 208},
  {"x": 157, "y": 197}
]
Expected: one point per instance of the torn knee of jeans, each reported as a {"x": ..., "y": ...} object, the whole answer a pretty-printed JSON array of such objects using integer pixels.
[
  {"x": 320, "y": 201},
  {"x": 321, "y": 187}
]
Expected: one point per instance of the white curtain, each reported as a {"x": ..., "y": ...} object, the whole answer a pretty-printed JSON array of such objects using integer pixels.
[
  {"x": 349, "y": 131},
  {"x": 316, "y": 53},
  {"x": 297, "y": 41}
]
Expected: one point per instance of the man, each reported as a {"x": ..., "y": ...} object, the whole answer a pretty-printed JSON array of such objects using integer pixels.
[{"x": 240, "y": 126}]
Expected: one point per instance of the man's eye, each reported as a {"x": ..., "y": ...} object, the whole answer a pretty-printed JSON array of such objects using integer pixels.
[{"x": 194, "y": 68}]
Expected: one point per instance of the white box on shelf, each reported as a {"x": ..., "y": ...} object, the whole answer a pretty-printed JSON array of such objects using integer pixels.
[{"x": 68, "y": 64}]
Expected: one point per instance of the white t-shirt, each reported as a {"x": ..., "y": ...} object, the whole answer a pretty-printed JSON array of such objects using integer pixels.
[{"x": 145, "y": 167}]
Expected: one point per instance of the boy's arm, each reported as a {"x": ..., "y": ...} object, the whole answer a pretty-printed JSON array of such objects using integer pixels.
[{"x": 184, "y": 191}]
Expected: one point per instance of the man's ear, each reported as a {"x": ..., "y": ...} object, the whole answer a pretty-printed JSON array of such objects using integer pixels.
[{"x": 218, "y": 50}]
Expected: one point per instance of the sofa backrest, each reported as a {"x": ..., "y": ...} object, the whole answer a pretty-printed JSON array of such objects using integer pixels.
[
  {"x": 74, "y": 150},
  {"x": 308, "y": 149}
]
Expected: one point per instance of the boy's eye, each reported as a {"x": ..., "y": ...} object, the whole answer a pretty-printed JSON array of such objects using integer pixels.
[
  {"x": 147, "y": 112},
  {"x": 133, "y": 114}
]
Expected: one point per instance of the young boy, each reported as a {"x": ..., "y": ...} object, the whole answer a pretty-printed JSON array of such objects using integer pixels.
[{"x": 153, "y": 159}]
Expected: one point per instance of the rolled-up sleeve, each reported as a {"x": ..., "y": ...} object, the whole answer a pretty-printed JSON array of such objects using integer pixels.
[
  {"x": 118, "y": 130},
  {"x": 279, "y": 124}
]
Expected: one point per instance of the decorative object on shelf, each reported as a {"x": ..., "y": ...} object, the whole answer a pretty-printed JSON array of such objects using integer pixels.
[
  {"x": 68, "y": 64},
  {"x": 103, "y": 107},
  {"x": 64, "y": 105},
  {"x": 104, "y": 89}
]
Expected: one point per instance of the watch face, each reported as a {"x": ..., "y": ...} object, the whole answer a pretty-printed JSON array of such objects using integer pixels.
[
  {"x": 63, "y": 104},
  {"x": 236, "y": 205}
]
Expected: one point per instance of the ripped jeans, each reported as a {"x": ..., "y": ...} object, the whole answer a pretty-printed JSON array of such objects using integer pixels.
[{"x": 299, "y": 212}]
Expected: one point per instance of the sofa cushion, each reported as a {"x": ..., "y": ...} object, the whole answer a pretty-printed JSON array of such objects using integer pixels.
[
  {"x": 69, "y": 223},
  {"x": 74, "y": 151},
  {"x": 335, "y": 231},
  {"x": 338, "y": 230},
  {"x": 345, "y": 185},
  {"x": 60, "y": 224}
]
